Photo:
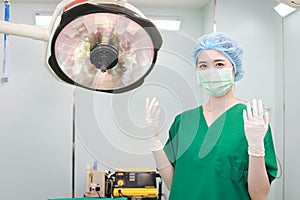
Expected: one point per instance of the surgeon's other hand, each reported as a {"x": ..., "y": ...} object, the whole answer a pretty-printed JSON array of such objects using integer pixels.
[
  {"x": 152, "y": 112},
  {"x": 256, "y": 126}
]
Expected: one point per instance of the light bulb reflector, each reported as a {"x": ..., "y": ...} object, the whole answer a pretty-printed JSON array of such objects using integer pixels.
[{"x": 76, "y": 40}]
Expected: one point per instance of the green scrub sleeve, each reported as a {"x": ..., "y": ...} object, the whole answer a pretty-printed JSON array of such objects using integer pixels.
[
  {"x": 270, "y": 156},
  {"x": 170, "y": 147}
]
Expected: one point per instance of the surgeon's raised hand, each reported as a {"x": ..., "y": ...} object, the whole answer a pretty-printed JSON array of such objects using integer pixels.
[
  {"x": 152, "y": 112},
  {"x": 256, "y": 126}
]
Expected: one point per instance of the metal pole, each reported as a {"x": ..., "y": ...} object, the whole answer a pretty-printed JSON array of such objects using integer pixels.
[
  {"x": 283, "y": 107},
  {"x": 73, "y": 142},
  {"x": 215, "y": 17}
]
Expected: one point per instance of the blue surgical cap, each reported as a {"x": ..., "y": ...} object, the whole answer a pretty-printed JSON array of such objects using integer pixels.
[{"x": 225, "y": 45}]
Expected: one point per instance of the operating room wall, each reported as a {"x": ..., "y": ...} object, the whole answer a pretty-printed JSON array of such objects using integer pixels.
[
  {"x": 290, "y": 74},
  {"x": 35, "y": 120}
]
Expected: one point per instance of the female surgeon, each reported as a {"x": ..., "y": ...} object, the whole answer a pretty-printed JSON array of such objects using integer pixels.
[{"x": 223, "y": 149}]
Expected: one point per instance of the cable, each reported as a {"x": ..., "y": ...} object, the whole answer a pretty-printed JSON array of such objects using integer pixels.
[
  {"x": 122, "y": 195},
  {"x": 98, "y": 194}
]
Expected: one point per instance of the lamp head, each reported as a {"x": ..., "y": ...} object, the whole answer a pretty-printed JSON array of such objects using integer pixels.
[{"x": 103, "y": 47}]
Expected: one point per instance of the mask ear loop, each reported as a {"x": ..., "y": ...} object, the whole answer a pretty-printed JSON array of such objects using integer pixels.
[{"x": 233, "y": 76}]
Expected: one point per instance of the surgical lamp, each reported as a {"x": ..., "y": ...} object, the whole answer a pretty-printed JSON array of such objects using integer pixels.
[{"x": 101, "y": 45}]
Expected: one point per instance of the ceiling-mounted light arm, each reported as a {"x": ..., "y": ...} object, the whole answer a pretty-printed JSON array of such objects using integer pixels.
[{"x": 29, "y": 31}]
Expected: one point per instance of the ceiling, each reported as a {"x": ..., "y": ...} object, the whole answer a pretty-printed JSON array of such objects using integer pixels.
[{"x": 139, "y": 3}]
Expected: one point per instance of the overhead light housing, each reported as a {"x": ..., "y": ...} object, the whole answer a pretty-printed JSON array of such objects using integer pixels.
[
  {"x": 283, "y": 10},
  {"x": 171, "y": 23},
  {"x": 291, "y": 3},
  {"x": 101, "y": 45},
  {"x": 167, "y": 24},
  {"x": 43, "y": 19}
]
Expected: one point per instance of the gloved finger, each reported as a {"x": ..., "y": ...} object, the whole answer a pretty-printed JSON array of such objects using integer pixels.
[
  {"x": 245, "y": 115},
  {"x": 147, "y": 111},
  {"x": 254, "y": 107},
  {"x": 147, "y": 104},
  {"x": 152, "y": 103},
  {"x": 260, "y": 109},
  {"x": 157, "y": 113},
  {"x": 154, "y": 108},
  {"x": 249, "y": 111},
  {"x": 266, "y": 118}
]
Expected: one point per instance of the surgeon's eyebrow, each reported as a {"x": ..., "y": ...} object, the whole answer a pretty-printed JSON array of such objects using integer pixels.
[{"x": 219, "y": 60}]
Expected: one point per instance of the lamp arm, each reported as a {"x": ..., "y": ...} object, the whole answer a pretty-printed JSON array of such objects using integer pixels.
[{"x": 30, "y": 31}]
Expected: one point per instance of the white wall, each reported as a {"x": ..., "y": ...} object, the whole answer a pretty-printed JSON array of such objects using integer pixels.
[
  {"x": 208, "y": 17},
  {"x": 292, "y": 108},
  {"x": 277, "y": 110},
  {"x": 255, "y": 32},
  {"x": 35, "y": 121}
]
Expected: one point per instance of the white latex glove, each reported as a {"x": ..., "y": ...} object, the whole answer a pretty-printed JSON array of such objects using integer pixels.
[
  {"x": 151, "y": 116},
  {"x": 256, "y": 126}
]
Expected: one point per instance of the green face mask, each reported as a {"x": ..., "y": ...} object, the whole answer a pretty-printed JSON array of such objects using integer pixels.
[{"x": 216, "y": 82}]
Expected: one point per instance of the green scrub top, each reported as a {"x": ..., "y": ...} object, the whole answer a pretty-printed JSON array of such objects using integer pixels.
[{"x": 211, "y": 163}]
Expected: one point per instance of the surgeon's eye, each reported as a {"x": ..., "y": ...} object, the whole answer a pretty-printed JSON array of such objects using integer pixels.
[
  {"x": 220, "y": 65},
  {"x": 202, "y": 66}
]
